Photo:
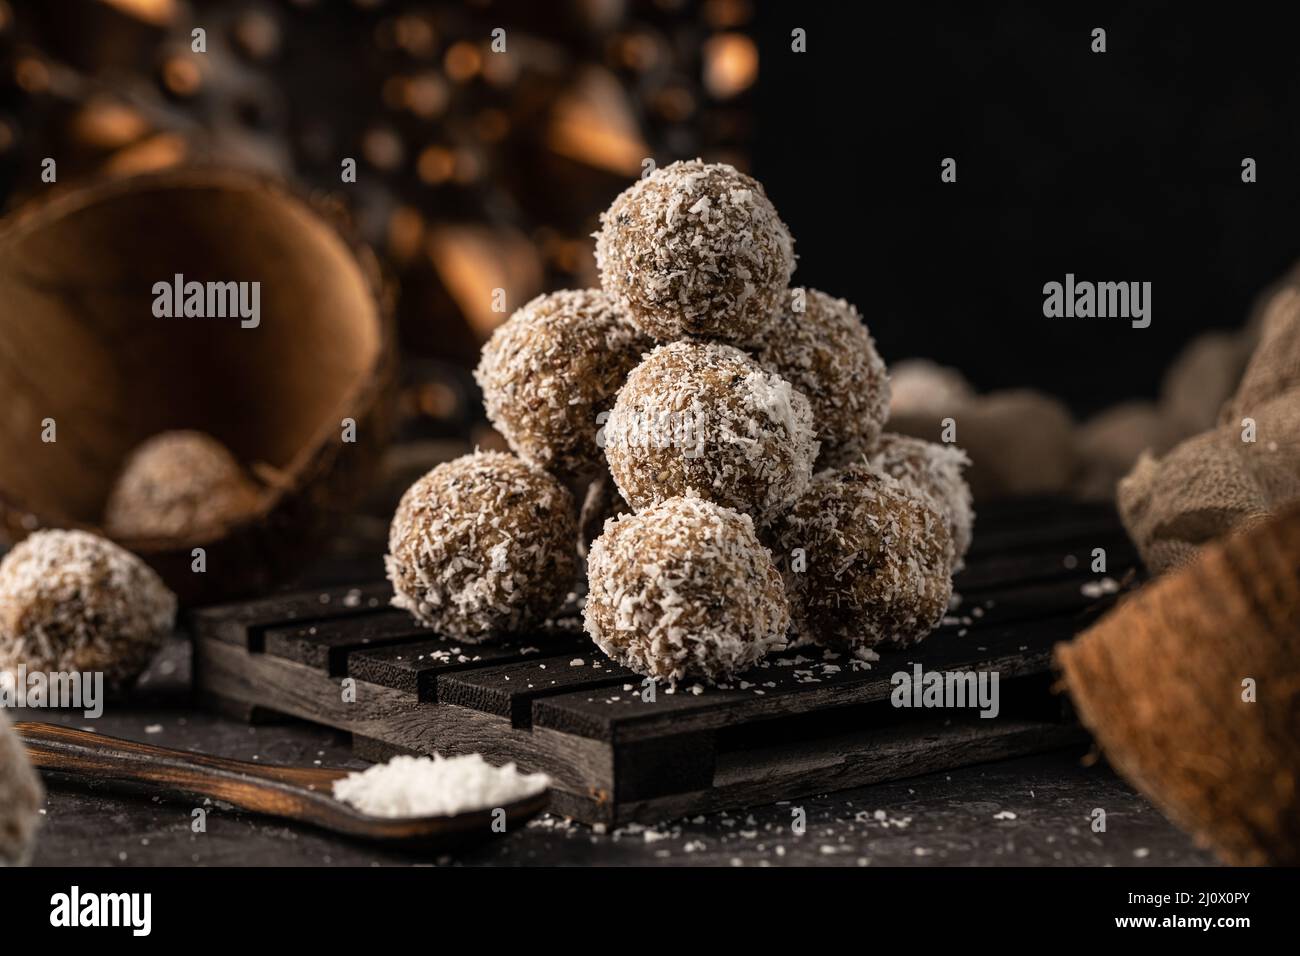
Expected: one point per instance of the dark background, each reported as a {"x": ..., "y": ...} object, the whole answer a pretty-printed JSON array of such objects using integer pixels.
[{"x": 1123, "y": 166}]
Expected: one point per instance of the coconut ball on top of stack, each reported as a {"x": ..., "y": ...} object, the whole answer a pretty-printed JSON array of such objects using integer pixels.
[{"x": 694, "y": 398}]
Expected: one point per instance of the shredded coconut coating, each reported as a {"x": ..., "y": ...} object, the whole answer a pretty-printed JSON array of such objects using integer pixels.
[
  {"x": 20, "y": 798},
  {"x": 706, "y": 418},
  {"x": 550, "y": 370},
  {"x": 932, "y": 469},
  {"x": 826, "y": 352},
  {"x": 433, "y": 787},
  {"x": 695, "y": 249},
  {"x": 482, "y": 546},
  {"x": 877, "y": 559},
  {"x": 684, "y": 588},
  {"x": 73, "y": 601},
  {"x": 181, "y": 484}
]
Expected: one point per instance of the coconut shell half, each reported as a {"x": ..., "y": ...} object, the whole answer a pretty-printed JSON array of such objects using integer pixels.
[
  {"x": 80, "y": 345},
  {"x": 1192, "y": 689}
]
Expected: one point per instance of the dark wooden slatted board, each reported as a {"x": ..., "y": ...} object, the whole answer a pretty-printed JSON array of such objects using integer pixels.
[{"x": 1028, "y": 584}]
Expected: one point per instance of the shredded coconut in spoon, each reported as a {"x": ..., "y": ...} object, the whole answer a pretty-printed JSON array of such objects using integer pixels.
[{"x": 437, "y": 786}]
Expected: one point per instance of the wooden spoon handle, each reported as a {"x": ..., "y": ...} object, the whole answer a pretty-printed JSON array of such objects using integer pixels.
[
  {"x": 66, "y": 749},
  {"x": 297, "y": 793}
]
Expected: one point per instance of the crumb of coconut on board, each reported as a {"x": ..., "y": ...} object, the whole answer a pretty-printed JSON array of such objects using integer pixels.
[{"x": 1099, "y": 588}]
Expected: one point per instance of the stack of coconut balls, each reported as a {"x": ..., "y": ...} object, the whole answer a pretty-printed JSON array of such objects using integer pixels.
[{"x": 725, "y": 433}]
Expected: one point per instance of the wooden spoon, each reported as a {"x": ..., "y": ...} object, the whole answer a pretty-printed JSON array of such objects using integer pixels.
[{"x": 303, "y": 794}]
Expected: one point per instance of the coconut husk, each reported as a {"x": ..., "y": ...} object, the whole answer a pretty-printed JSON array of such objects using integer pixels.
[
  {"x": 1216, "y": 480},
  {"x": 1159, "y": 682},
  {"x": 1173, "y": 505},
  {"x": 79, "y": 344},
  {"x": 1275, "y": 365}
]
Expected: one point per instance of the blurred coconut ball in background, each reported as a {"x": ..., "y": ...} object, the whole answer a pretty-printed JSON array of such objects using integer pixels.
[
  {"x": 73, "y": 601},
  {"x": 182, "y": 484}
]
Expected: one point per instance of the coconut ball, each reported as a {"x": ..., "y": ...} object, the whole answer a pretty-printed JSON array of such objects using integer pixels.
[
  {"x": 934, "y": 469},
  {"x": 482, "y": 545},
  {"x": 684, "y": 588},
  {"x": 73, "y": 601},
  {"x": 20, "y": 798},
  {"x": 825, "y": 351},
  {"x": 866, "y": 561},
  {"x": 551, "y": 369},
  {"x": 921, "y": 388},
  {"x": 179, "y": 484},
  {"x": 695, "y": 249},
  {"x": 705, "y": 418}
]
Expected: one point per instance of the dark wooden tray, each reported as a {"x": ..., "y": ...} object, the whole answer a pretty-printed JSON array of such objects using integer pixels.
[{"x": 803, "y": 723}]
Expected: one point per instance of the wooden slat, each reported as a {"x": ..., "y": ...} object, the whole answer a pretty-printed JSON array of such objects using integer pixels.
[
  {"x": 1005, "y": 605},
  {"x": 851, "y": 760},
  {"x": 395, "y": 717},
  {"x": 244, "y": 623},
  {"x": 509, "y": 690},
  {"x": 415, "y": 667},
  {"x": 1066, "y": 534},
  {"x": 1044, "y": 563},
  {"x": 800, "y": 681},
  {"x": 1015, "y": 523},
  {"x": 325, "y": 644}
]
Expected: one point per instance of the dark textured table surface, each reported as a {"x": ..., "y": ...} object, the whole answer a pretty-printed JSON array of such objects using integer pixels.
[{"x": 1033, "y": 810}]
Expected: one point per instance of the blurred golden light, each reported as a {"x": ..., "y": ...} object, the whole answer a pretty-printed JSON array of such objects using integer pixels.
[
  {"x": 415, "y": 35},
  {"x": 593, "y": 123},
  {"x": 730, "y": 64},
  {"x": 468, "y": 166},
  {"x": 181, "y": 75},
  {"x": 474, "y": 260},
  {"x": 150, "y": 155},
  {"x": 463, "y": 61},
  {"x": 405, "y": 232},
  {"x": 435, "y": 165},
  {"x": 382, "y": 148},
  {"x": 727, "y": 13},
  {"x": 257, "y": 35},
  {"x": 426, "y": 95},
  {"x": 674, "y": 103},
  {"x": 106, "y": 123},
  {"x": 31, "y": 75},
  {"x": 500, "y": 69},
  {"x": 158, "y": 12},
  {"x": 637, "y": 51}
]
